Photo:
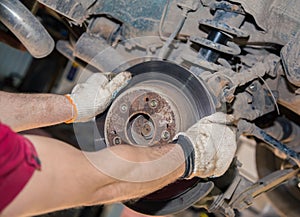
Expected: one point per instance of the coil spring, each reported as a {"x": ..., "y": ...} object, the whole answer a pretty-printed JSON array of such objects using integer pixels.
[{"x": 219, "y": 38}]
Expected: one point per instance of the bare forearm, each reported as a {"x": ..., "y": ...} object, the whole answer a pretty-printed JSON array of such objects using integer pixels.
[
  {"x": 27, "y": 111},
  {"x": 77, "y": 178},
  {"x": 146, "y": 170}
]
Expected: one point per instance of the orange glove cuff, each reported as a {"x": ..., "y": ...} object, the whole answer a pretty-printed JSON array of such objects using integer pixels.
[{"x": 74, "y": 110}]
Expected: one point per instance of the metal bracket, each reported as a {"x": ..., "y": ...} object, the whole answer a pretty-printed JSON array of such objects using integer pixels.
[
  {"x": 247, "y": 128},
  {"x": 241, "y": 193}
]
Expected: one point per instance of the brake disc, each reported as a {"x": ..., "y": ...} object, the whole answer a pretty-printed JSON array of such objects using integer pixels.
[{"x": 161, "y": 100}]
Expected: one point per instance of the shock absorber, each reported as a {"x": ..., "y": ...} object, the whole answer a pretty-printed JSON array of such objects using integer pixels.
[{"x": 225, "y": 26}]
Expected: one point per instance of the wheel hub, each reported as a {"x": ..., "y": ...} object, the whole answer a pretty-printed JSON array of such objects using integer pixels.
[{"x": 144, "y": 117}]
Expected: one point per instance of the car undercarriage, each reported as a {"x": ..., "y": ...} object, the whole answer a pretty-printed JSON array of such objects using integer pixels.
[{"x": 189, "y": 59}]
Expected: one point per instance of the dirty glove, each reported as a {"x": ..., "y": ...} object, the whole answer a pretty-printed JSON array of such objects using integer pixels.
[
  {"x": 209, "y": 146},
  {"x": 92, "y": 97}
]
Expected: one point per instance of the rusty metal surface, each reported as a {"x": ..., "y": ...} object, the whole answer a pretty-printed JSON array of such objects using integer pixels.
[
  {"x": 141, "y": 116},
  {"x": 169, "y": 102}
]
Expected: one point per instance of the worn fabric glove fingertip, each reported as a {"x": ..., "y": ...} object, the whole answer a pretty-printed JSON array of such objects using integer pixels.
[{"x": 118, "y": 83}]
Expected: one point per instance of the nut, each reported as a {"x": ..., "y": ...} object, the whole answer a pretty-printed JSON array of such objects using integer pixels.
[
  {"x": 165, "y": 135},
  {"x": 153, "y": 103},
  {"x": 117, "y": 140}
]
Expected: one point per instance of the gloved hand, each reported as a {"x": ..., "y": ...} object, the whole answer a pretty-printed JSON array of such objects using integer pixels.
[
  {"x": 209, "y": 146},
  {"x": 93, "y": 96}
]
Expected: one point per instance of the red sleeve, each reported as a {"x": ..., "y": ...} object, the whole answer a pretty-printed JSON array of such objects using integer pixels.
[{"x": 18, "y": 161}]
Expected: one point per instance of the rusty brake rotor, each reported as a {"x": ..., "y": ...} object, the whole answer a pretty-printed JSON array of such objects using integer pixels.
[{"x": 161, "y": 100}]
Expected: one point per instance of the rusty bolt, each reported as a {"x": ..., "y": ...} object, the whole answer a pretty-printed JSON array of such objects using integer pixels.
[
  {"x": 165, "y": 135},
  {"x": 153, "y": 103},
  {"x": 117, "y": 140}
]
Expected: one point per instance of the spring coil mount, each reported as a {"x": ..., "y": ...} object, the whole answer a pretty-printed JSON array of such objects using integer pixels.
[{"x": 219, "y": 39}]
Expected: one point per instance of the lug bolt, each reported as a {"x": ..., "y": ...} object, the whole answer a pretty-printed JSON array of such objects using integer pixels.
[
  {"x": 165, "y": 135},
  {"x": 124, "y": 108},
  {"x": 117, "y": 141},
  {"x": 153, "y": 103}
]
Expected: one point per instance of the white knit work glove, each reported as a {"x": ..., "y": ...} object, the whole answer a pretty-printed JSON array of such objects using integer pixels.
[
  {"x": 209, "y": 146},
  {"x": 93, "y": 96}
]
